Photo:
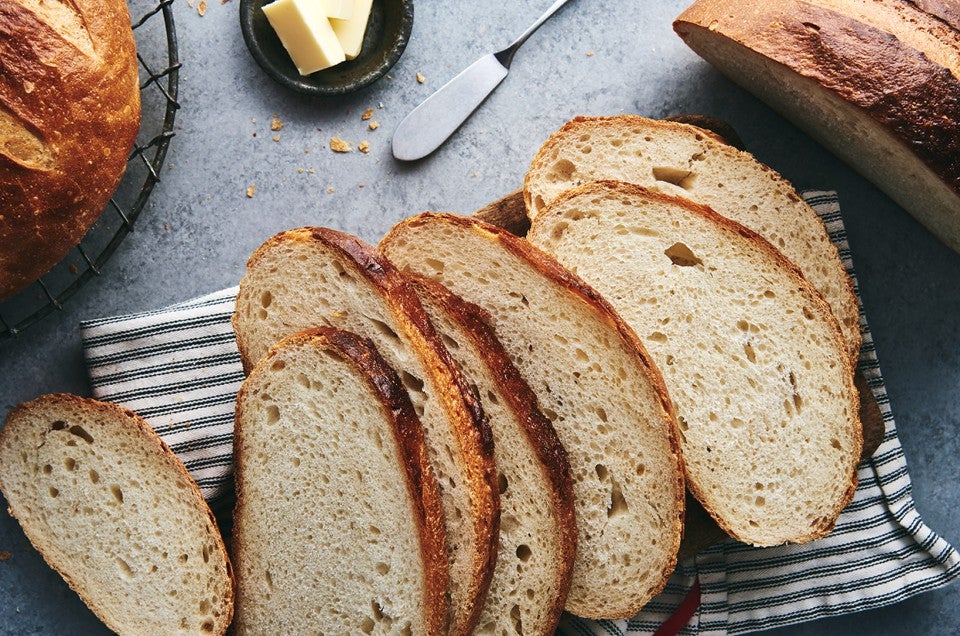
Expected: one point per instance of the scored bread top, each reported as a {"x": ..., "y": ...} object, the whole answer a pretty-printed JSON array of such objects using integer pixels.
[
  {"x": 751, "y": 354},
  {"x": 69, "y": 115},
  {"x": 115, "y": 512},
  {"x": 538, "y": 532},
  {"x": 596, "y": 384},
  {"x": 689, "y": 162},
  {"x": 338, "y": 525},
  {"x": 310, "y": 277}
]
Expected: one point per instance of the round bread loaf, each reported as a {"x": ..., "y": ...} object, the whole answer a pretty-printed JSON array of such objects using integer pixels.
[{"x": 69, "y": 114}]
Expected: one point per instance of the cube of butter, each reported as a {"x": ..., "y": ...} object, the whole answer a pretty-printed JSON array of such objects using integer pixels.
[
  {"x": 305, "y": 31},
  {"x": 339, "y": 9},
  {"x": 350, "y": 32}
]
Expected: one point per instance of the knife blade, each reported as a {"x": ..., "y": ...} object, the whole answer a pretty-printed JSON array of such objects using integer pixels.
[{"x": 429, "y": 124}]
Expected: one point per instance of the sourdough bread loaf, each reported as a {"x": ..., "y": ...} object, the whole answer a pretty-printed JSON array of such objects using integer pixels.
[
  {"x": 312, "y": 277},
  {"x": 595, "y": 383},
  {"x": 338, "y": 526},
  {"x": 875, "y": 82},
  {"x": 69, "y": 114},
  {"x": 114, "y": 511},
  {"x": 538, "y": 530},
  {"x": 690, "y": 162},
  {"x": 751, "y": 354}
]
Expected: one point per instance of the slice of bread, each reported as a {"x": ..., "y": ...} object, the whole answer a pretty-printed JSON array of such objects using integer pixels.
[
  {"x": 751, "y": 353},
  {"x": 338, "y": 526},
  {"x": 690, "y": 162},
  {"x": 538, "y": 530},
  {"x": 310, "y": 277},
  {"x": 115, "y": 512},
  {"x": 596, "y": 384}
]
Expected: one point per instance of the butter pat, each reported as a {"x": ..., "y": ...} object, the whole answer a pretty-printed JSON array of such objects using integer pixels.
[
  {"x": 350, "y": 32},
  {"x": 305, "y": 31},
  {"x": 339, "y": 9}
]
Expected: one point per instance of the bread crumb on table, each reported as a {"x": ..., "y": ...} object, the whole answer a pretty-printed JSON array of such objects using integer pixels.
[
  {"x": 367, "y": 114},
  {"x": 339, "y": 145},
  {"x": 276, "y": 137},
  {"x": 330, "y": 190},
  {"x": 364, "y": 147},
  {"x": 251, "y": 190},
  {"x": 420, "y": 77},
  {"x": 275, "y": 123},
  {"x": 373, "y": 125},
  {"x": 589, "y": 53},
  {"x": 202, "y": 7},
  {"x": 5, "y": 555}
]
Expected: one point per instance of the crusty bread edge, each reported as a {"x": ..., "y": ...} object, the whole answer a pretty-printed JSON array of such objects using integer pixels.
[
  {"x": 155, "y": 444},
  {"x": 408, "y": 435},
  {"x": 820, "y": 305},
  {"x": 454, "y": 392},
  {"x": 541, "y": 437},
  {"x": 552, "y": 270},
  {"x": 851, "y": 304}
]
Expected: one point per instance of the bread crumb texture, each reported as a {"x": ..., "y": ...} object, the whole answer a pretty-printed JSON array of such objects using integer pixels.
[
  {"x": 115, "y": 512},
  {"x": 325, "y": 532},
  {"x": 751, "y": 354}
]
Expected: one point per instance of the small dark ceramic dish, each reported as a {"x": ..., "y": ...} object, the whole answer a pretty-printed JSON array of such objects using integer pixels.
[{"x": 388, "y": 31}]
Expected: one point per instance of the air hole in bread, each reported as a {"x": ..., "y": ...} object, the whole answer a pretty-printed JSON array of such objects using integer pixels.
[
  {"x": 760, "y": 500},
  {"x": 266, "y": 299},
  {"x": 384, "y": 329},
  {"x": 524, "y": 552},
  {"x": 117, "y": 493},
  {"x": 183, "y": 558},
  {"x": 675, "y": 176},
  {"x": 640, "y": 469},
  {"x": 205, "y": 553},
  {"x": 835, "y": 443},
  {"x": 749, "y": 352},
  {"x": 54, "y": 492},
  {"x": 94, "y": 476},
  {"x": 502, "y": 483},
  {"x": 657, "y": 336},
  {"x": 737, "y": 422},
  {"x": 562, "y": 170},
  {"x": 382, "y": 568},
  {"x": 601, "y": 413},
  {"x": 273, "y": 414},
  {"x": 367, "y": 625},
  {"x": 681, "y": 255},
  {"x": 618, "y": 504},
  {"x": 126, "y": 571},
  {"x": 47, "y": 469},
  {"x": 449, "y": 342},
  {"x": 517, "y": 622},
  {"x": 807, "y": 313},
  {"x": 682, "y": 423},
  {"x": 278, "y": 365},
  {"x": 59, "y": 425},
  {"x": 601, "y": 471},
  {"x": 492, "y": 397},
  {"x": 80, "y": 432},
  {"x": 207, "y": 627}
]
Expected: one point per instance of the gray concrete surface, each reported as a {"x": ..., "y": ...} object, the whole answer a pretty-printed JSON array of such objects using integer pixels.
[{"x": 200, "y": 226}]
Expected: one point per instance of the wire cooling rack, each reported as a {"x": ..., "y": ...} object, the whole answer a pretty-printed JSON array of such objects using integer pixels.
[{"x": 159, "y": 63}]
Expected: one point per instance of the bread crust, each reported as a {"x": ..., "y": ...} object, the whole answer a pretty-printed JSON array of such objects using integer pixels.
[
  {"x": 158, "y": 449},
  {"x": 894, "y": 84},
  {"x": 460, "y": 402},
  {"x": 420, "y": 480},
  {"x": 847, "y": 309},
  {"x": 551, "y": 269},
  {"x": 820, "y": 305},
  {"x": 69, "y": 115},
  {"x": 540, "y": 434}
]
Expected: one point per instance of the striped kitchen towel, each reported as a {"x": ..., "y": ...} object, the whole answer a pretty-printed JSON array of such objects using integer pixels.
[{"x": 179, "y": 368}]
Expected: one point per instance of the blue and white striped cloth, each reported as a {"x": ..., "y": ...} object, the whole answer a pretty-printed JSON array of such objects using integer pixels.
[{"x": 179, "y": 369}]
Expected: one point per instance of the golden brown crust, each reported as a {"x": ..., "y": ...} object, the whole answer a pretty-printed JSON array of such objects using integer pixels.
[
  {"x": 892, "y": 83},
  {"x": 408, "y": 434},
  {"x": 810, "y": 293},
  {"x": 69, "y": 115},
  {"x": 157, "y": 447},
  {"x": 461, "y": 403},
  {"x": 542, "y": 438},
  {"x": 553, "y": 271}
]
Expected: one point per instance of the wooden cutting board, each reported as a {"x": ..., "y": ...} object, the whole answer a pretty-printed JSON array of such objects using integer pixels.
[{"x": 700, "y": 530}]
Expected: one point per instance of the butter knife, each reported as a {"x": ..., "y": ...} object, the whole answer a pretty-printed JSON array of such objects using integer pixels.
[{"x": 432, "y": 122}]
